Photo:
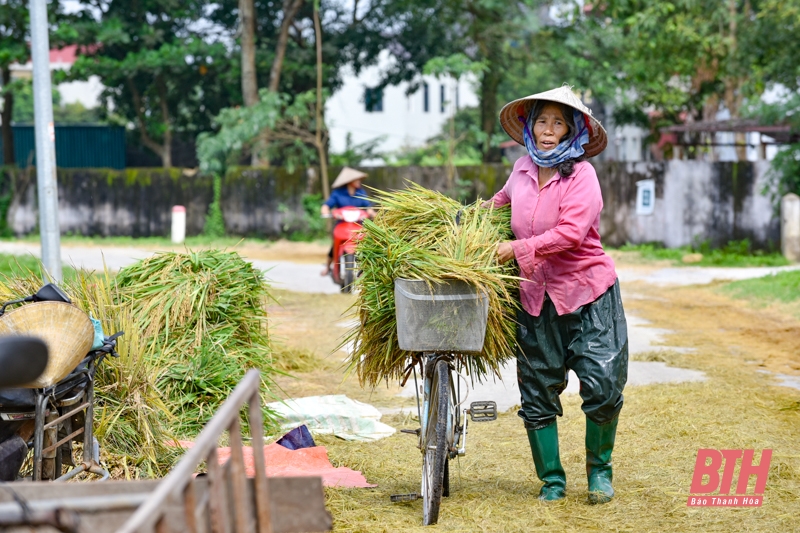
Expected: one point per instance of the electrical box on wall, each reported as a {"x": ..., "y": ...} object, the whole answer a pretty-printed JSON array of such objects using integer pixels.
[{"x": 645, "y": 197}]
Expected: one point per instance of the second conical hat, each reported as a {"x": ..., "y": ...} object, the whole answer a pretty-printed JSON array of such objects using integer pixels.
[
  {"x": 67, "y": 331},
  {"x": 347, "y": 175}
]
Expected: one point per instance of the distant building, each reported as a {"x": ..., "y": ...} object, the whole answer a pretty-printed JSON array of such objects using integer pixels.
[
  {"x": 86, "y": 92},
  {"x": 365, "y": 112}
]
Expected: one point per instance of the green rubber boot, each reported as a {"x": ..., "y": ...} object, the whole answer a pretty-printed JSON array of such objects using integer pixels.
[
  {"x": 599, "y": 445},
  {"x": 544, "y": 447}
]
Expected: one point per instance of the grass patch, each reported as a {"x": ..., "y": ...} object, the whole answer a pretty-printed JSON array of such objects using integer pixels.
[
  {"x": 781, "y": 290},
  {"x": 21, "y": 265},
  {"x": 781, "y": 287},
  {"x": 733, "y": 254}
]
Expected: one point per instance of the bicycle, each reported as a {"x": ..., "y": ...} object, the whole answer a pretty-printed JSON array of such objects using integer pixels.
[{"x": 440, "y": 322}]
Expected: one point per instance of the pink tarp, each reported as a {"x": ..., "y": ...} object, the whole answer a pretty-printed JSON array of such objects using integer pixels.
[{"x": 283, "y": 462}]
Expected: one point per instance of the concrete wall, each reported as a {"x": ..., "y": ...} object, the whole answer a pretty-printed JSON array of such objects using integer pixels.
[{"x": 694, "y": 201}]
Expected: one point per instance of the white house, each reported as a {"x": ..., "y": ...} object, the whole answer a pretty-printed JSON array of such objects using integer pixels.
[
  {"x": 402, "y": 120},
  {"x": 86, "y": 92}
]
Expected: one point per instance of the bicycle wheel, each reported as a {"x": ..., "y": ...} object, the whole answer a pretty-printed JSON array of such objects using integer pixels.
[{"x": 435, "y": 450}]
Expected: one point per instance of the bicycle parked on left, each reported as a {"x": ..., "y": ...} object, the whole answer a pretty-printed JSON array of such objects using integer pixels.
[{"x": 46, "y": 415}]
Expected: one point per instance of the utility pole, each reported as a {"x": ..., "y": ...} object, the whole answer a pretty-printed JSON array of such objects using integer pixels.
[{"x": 45, "y": 140}]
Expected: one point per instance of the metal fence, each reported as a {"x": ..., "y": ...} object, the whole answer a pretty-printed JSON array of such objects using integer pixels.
[{"x": 77, "y": 146}]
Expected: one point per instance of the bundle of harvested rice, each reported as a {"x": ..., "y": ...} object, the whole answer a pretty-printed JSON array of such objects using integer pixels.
[
  {"x": 194, "y": 323},
  {"x": 204, "y": 313},
  {"x": 131, "y": 419},
  {"x": 423, "y": 235}
]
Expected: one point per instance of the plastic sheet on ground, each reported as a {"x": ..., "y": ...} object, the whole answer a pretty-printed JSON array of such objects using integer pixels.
[
  {"x": 334, "y": 415},
  {"x": 283, "y": 462}
]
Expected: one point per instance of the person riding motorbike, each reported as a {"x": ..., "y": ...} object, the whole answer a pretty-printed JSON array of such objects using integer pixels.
[{"x": 346, "y": 191}]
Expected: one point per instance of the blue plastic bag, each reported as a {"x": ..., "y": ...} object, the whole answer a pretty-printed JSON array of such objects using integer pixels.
[{"x": 99, "y": 336}]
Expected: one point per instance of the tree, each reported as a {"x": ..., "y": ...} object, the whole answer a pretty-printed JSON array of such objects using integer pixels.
[
  {"x": 485, "y": 31},
  {"x": 160, "y": 70},
  {"x": 292, "y": 123},
  {"x": 454, "y": 66},
  {"x": 13, "y": 49},
  {"x": 687, "y": 60},
  {"x": 74, "y": 113}
]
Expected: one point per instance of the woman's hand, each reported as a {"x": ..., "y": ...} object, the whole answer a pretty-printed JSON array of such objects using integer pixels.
[
  {"x": 487, "y": 203},
  {"x": 505, "y": 252},
  {"x": 325, "y": 211}
]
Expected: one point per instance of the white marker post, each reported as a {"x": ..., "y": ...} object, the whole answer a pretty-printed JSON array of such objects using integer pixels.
[
  {"x": 790, "y": 227},
  {"x": 178, "y": 224}
]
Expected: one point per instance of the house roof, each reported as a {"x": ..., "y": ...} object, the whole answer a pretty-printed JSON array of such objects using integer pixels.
[
  {"x": 67, "y": 55},
  {"x": 782, "y": 133}
]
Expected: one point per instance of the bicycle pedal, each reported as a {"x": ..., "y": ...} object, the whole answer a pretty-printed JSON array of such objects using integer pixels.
[
  {"x": 483, "y": 411},
  {"x": 396, "y": 498},
  {"x": 412, "y": 431}
]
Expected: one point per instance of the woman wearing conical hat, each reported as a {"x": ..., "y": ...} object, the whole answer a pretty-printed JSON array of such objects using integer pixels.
[
  {"x": 346, "y": 191},
  {"x": 571, "y": 316}
]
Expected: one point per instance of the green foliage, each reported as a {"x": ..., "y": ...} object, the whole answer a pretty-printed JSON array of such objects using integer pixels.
[
  {"x": 290, "y": 125},
  {"x": 160, "y": 70},
  {"x": 215, "y": 222},
  {"x": 5, "y": 203},
  {"x": 454, "y": 66},
  {"x": 467, "y": 131},
  {"x": 732, "y": 254},
  {"x": 781, "y": 287},
  {"x": 74, "y": 113},
  {"x": 316, "y": 225},
  {"x": 14, "y": 265},
  {"x": 207, "y": 334},
  {"x": 435, "y": 153},
  {"x": 309, "y": 226},
  {"x": 355, "y": 154},
  {"x": 784, "y": 174}
]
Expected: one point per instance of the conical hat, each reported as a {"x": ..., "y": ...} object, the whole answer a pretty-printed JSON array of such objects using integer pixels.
[
  {"x": 509, "y": 117},
  {"x": 346, "y": 176},
  {"x": 65, "y": 329}
]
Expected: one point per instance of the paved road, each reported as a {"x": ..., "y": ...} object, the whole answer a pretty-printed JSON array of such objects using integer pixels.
[
  {"x": 306, "y": 278},
  {"x": 283, "y": 274}
]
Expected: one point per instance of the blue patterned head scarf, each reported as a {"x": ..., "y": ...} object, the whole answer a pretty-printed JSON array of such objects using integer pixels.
[{"x": 571, "y": 148}]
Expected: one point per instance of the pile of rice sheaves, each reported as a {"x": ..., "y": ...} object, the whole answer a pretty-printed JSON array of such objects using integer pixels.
[
  {"x": 203, "y": 314},
  {"x": 416, "y": 235}
]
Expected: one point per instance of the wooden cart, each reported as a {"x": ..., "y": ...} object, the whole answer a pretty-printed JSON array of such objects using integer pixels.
[{"x": 224, "y": 500}]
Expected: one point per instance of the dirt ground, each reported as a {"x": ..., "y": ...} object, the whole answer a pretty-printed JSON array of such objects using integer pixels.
[{"x": 661, "y": 428}]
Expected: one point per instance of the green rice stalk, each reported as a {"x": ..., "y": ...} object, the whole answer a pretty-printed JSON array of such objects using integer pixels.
[
  {"x": 204, "y": 317},
  {"x": 415, "y": 236}
]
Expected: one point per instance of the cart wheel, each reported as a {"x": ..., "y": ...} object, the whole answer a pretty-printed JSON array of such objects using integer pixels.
[
  {"x": 446, "y": 481},
  {"x": 434, "y": 458}
]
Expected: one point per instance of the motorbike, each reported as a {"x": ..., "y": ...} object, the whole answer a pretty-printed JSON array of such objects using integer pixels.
[
  {"x": 48, "y": 413},
  {"x": 345, "y": 238}
]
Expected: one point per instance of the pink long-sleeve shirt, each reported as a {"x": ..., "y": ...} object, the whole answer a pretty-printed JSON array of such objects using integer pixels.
[{"x": 558, "y": 239}]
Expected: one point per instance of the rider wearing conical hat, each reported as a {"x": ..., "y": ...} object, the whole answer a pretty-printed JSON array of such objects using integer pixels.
[
  {"x": 571, "y": 316},
  {"x": 346, "y": 191}
]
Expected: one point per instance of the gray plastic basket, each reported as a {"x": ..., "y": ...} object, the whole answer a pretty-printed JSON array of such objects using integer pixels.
[{"x": 446, "y": 317}]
